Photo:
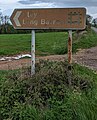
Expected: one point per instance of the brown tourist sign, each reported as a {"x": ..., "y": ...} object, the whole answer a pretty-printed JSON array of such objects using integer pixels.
[{"x": 50, "y": 18}]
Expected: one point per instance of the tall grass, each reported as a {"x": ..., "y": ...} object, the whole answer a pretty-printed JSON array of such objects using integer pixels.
[
  {"x": 48, "y": 96},
  {"x": 85, "y": 41}
]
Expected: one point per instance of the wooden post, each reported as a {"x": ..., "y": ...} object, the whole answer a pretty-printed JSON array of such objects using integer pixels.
[
  {"x": 70, "y": 47},
  {"x": 70, "y": 58},
  {"x": 33, "y": 53}
]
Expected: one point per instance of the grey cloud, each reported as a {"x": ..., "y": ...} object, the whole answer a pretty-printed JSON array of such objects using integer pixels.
[
  {"x": 34, "y": 1},
  {"x": 61, "y": 3},
  {"x": 27, "y": 2}
]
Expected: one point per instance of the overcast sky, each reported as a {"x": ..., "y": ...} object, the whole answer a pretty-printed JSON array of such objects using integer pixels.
[{"x": 7, "y": 6}]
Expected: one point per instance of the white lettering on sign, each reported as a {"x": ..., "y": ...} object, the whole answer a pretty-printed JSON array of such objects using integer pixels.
[
  {"x": 33, "y": 22},
  {"x": 53, "y": 22},
  {"x": 31, "y": 15}
]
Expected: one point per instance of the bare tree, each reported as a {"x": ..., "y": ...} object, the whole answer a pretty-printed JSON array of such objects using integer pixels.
[
  {"x": 94, "y": 22},
  {"x": 88, "y": 19},
  {"x": 0, "y": 21},
  {"x": 6, "y": 19},
  {"x": 0, "y": 18}
]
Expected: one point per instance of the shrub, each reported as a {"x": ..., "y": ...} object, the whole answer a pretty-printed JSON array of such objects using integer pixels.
[{"x": 48, "y": 95}]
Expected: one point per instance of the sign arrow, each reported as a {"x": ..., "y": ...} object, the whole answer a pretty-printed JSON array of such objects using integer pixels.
[{"x": 16, "y": 18}]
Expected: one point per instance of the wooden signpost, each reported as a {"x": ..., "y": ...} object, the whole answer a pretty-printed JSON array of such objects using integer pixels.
[{"x": 49, "y": 18}]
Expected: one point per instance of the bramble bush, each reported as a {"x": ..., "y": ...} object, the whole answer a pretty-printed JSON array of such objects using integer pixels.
[{"x": 47, "y": 95}]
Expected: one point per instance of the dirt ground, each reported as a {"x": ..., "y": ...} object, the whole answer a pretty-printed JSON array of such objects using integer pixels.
[
  {"x": 15, "y": 64},
  {"x": 86, "y": 57}
]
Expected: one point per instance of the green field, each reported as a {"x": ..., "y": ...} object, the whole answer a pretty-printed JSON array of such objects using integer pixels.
[{"x": 46, "y": 43}]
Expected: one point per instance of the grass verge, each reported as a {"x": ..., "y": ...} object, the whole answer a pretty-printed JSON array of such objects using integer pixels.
[
  {"x": 47, "y": 95},
  {"x": 85, "y": 41}
]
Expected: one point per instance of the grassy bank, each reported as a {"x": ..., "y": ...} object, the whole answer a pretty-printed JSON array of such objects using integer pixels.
[
  {"x": 48, "y": 95},
  {"x": 85, "y": 41},
  {"x": 46, "y": 43}
]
